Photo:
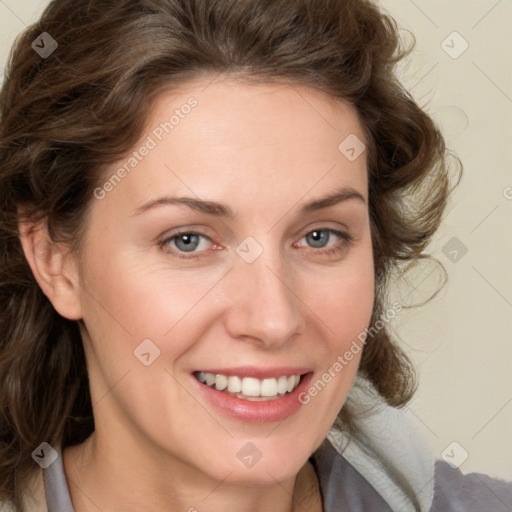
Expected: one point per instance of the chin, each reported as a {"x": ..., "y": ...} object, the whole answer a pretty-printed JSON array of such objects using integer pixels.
[{"x": 263, "y": 462}]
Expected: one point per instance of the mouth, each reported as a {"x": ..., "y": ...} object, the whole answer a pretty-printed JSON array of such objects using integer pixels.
[
  {"x": 250, "y": 388},
  {"x": 253, "y": 395}
]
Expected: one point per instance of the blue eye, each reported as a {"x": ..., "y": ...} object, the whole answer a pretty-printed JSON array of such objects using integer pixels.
[
  {"x": 185, "y": 241},
  {"x": 184, "y": 244},
  {"x": 320, "y": 237}
]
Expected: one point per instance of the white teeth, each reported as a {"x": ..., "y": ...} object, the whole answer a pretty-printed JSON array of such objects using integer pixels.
[
  {"x": 282, "y": 385},
  {"x": 268, "y": 387},
  {"x": 234, "y": 384},
  {"x": 250, "y": 387},
  {"x": 221, "y": 382}
]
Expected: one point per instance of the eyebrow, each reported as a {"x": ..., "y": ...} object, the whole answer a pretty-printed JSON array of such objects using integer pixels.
[{"x": 220, "y": 210}]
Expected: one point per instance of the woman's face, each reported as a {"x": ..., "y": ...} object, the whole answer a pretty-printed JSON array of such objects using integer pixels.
[{"x": 271, "y": 291}]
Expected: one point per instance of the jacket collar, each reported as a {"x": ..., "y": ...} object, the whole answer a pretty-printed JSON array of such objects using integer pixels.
[{"x": 387, "y": 449}]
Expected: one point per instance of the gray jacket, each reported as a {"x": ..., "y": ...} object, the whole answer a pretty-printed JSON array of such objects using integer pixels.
[{"x": 386, "y": 465}]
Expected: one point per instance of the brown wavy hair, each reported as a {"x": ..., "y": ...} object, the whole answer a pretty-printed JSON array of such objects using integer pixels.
[{"x": 67, "y": 117}]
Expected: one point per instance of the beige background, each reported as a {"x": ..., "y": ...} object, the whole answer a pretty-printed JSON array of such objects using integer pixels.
[{"x": 460, "y": 341}]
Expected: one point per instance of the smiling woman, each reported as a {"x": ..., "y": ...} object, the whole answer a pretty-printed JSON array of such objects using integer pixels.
[{"x": 208, "y": 327}]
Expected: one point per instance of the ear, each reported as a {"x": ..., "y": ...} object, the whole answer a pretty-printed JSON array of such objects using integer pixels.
[{"x": 53, "y": 267}]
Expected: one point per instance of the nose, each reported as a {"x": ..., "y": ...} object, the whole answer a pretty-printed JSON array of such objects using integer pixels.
[{"x": 264, "y": 301}]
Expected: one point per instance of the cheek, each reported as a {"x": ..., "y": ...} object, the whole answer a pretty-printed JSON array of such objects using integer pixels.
[
  {"x": 344, "y": 300},
  {"x": 343, "y": 310},
  {"x": 145, "y": 300}
]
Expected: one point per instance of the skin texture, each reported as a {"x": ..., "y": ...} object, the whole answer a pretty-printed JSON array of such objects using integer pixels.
[{"x": 263, "y": 150}]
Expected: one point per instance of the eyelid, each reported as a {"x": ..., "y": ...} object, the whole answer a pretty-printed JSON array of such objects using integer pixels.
[
  {"x": 321, "y": 225},
  {"x": 189, "y": 230}
]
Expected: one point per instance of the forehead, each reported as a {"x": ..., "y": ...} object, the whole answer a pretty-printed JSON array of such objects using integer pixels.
[
  {"x": 230, "y": 139},
  {"x": 237, "y": 114}
]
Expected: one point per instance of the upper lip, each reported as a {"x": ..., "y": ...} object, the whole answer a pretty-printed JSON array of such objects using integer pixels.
[{"x": 258, "y": 373}]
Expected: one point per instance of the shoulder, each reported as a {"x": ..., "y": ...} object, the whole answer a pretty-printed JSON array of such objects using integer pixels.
[
  {"x": 448, "y": 491},
  {"x": 342, "y": 486},
  {"x": 386, "y": 456},
  {"x": 472, "y": 492}
]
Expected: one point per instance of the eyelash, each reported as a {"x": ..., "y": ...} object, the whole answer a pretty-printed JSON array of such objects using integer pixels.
[{"x": 346, "y": 240}]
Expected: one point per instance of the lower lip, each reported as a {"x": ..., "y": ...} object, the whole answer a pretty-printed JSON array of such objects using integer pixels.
[{"x": 256, "y": 411}]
